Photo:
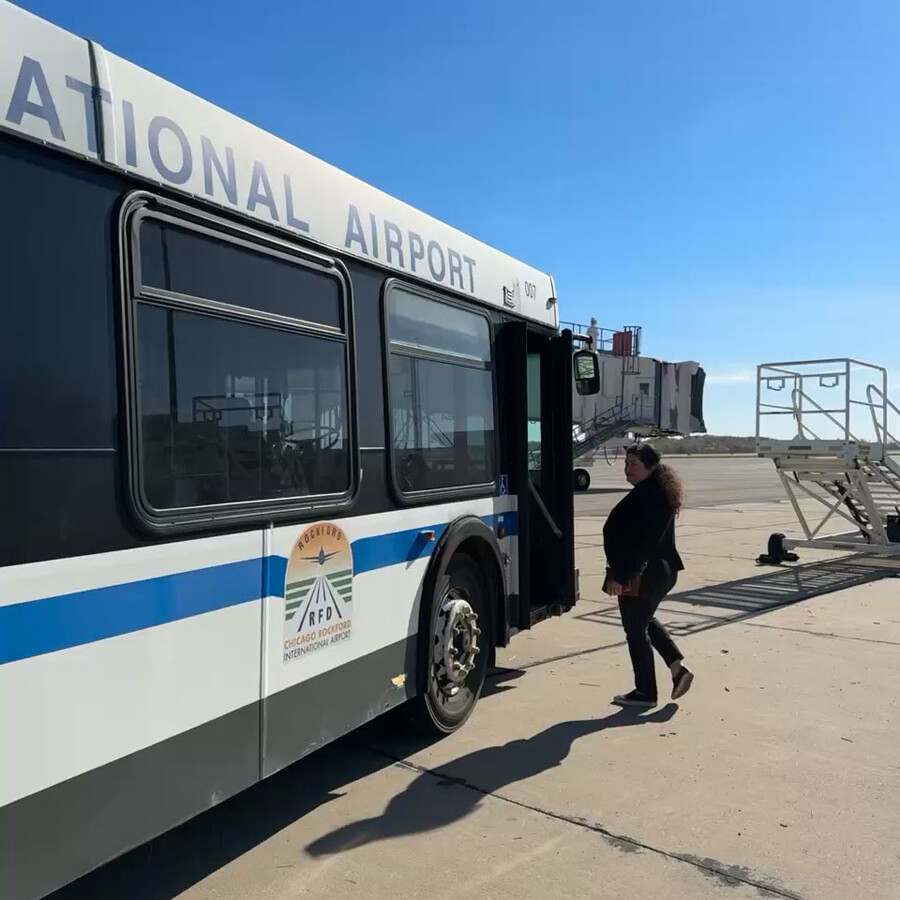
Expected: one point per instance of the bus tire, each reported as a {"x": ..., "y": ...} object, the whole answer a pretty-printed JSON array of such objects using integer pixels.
[
  {"x": 457, "y": 647},
  {"x": 582, "y": 479}
]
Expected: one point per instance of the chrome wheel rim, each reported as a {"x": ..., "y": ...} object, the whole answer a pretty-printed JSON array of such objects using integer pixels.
[{"x": 456, "y": 643}]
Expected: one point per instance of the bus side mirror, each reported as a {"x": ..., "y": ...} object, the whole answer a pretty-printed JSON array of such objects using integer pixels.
[{"x": 587, "y": 372}]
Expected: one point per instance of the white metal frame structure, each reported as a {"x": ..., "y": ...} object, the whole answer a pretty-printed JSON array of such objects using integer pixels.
[{"x": 828, "y": 459}]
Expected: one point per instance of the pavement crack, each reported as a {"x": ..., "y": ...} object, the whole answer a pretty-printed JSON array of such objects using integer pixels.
[
  {"x": 572, "y": 655},
  {"x": 825, "y": 634},
  {"x": 728, "y": 874}
]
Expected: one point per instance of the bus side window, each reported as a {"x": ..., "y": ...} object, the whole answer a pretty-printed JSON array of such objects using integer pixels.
[
  {"x": 441, "y": 394},
  {"x": 235, "y": 408}
]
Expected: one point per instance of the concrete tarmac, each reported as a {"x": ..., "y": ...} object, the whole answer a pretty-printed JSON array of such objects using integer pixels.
[
  {"x": 708, "y": 481},
  {"x": 777, "y": 776}
]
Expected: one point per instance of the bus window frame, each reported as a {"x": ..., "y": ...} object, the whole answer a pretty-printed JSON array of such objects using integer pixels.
[
  {"x": 432, "y": 495},
  {"x": 138, "y": 206}
]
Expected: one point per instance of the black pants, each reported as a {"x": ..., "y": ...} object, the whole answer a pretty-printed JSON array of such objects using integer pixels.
[{"x": 644, "y": 632}]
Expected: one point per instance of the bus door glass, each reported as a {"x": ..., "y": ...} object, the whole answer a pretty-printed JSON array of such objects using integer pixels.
[
  {"x": 535, "y": 387},
  {"x": 548, "y": 560}
]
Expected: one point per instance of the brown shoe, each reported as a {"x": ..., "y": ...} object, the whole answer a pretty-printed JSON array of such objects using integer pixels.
[{"x": 682, "y": 682}]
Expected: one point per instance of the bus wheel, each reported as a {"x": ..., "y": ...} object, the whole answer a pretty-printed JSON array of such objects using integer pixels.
[
  {"x": 582, "y": 479},
  {"x": 458, "y": 647}
]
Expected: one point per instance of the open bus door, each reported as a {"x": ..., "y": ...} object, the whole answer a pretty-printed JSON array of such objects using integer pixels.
[{"x": 535, "y": 384}]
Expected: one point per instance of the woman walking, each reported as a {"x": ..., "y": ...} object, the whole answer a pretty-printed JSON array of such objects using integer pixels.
[{"x": 642, "y": 567}]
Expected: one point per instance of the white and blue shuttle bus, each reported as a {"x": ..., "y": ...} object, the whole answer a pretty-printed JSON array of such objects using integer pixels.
[{"x": 264, "y": 456}]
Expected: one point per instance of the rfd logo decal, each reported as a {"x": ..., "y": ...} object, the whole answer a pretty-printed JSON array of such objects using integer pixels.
[{"x": 318, "y": 591}]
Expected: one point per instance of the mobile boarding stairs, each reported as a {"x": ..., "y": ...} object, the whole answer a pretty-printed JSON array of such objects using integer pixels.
[{"x": 836, "y": 449}]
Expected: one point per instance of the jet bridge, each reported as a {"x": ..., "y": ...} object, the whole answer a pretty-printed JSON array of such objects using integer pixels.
[{"x": 639, "y": 397}]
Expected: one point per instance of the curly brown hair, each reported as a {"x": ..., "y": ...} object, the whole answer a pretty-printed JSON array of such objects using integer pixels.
[{"x": 666, "y": 476}]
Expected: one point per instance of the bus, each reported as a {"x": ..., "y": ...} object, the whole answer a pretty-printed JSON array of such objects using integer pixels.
[{"x": 264, "y": 456}]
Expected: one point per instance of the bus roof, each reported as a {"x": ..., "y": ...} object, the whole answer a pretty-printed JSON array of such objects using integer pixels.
[{"x": 71, "y": 94}]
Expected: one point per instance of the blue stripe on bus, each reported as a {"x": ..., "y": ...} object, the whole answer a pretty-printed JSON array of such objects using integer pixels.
[
  {"x": 56, "y": 623},
  {"x": 383, "y": 550}
]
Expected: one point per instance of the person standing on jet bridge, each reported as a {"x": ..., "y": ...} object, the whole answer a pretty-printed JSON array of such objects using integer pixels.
[{"x": 642, "y": 567}]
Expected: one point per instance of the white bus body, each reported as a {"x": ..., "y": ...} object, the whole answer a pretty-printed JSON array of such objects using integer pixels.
[{"x": 263, "y": 456}]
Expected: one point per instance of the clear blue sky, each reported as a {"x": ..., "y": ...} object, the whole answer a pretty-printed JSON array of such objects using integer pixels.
[{"x": 725, "y": 173}]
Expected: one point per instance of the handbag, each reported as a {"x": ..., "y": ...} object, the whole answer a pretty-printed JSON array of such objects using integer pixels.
[{"x": 632, "y": 587}]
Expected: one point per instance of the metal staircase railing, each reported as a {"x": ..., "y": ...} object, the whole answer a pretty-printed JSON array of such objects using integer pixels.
[
  {"x": 854, "y": 479},
  {"x": 882, "y": 435},
  {"x": 590, "y": 436},
  {"x": 798, "y": 397}
]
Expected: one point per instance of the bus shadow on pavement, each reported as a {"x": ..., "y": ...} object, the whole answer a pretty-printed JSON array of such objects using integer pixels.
[
  {"x": 498, "y": 681},
  {"x": 175, "y": 861},
  {"x": 440, "y": 797}
]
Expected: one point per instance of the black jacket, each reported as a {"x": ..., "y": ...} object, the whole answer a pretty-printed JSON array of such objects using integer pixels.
[{"x": 633, "y": 534}]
